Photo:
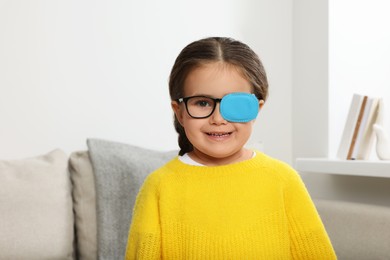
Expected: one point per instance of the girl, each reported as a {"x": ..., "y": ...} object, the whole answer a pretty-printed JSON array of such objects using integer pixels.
[{"x": 217, "y": 199}]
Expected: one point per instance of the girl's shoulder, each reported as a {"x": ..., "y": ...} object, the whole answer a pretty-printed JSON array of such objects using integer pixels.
[
  {"x": 159, "y": 173},
  {"x": 276, "y": 166}
]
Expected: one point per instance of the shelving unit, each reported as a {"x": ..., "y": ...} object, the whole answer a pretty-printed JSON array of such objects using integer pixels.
[{"x": 344, "y": 167}]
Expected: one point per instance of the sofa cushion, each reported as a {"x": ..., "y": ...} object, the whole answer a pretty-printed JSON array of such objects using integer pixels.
[
  {"x": 357, "y": 231},
  {"x": 36, "y": 220},
  {"x": 119, "y": 170},
  {"x": 84, "y": 204}
]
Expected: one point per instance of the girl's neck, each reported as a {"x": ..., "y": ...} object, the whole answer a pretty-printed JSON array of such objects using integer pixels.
[{"x": 204, "y": 159}]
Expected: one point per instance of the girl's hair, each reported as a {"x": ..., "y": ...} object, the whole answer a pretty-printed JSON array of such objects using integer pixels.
[{"x": 215, "y": 49}]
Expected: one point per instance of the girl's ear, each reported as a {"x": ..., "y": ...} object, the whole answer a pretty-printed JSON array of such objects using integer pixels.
[
  {"x": 177, "y": 109},
  {"x": 261, "y": 104}
]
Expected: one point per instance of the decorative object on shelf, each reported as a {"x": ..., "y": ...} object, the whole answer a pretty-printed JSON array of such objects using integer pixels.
[
  {"x": 382, "y": 142},
  {"x": 358, "y": 136}
]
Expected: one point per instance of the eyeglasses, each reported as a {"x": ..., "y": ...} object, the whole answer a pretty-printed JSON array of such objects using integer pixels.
[
  {"x": 200, "y": 106},
  {"x": 234, "y": 107}
]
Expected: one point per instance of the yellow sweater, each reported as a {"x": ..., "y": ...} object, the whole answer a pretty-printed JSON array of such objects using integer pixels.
[{"x": 255, "y": 209}]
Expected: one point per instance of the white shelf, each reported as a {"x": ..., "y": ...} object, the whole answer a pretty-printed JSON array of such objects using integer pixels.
[{"x": 344, "y": 167}]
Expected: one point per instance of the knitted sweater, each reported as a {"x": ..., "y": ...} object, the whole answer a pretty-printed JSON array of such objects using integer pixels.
[{"x": 254, "y": 209}]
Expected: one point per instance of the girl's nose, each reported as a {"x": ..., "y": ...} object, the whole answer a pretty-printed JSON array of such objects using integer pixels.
[{"x": 216, "y": 117}]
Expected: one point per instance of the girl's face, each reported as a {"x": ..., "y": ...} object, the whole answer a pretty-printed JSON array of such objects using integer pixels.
[{"x": 215, "y": 140}]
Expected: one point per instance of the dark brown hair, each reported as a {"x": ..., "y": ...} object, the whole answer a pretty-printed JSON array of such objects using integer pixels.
[{"x": 209, "y": 50}]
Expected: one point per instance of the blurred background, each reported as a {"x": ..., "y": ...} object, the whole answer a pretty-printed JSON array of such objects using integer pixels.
[{"x": 72, "y": 70}]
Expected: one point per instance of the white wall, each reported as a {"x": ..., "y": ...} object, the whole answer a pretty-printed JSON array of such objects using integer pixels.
[
  {"x": 340, "y": 47},
  {"x": 338, "y": 51},
  {"x": 70, "y": 70},
  {"x": 359, "y": 59},
  {"x": 359, "y": 62},
  {"x": 310, "y": 81}
]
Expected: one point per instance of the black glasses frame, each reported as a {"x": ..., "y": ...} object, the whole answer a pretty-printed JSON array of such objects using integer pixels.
[{"x": 185, "y": 100}]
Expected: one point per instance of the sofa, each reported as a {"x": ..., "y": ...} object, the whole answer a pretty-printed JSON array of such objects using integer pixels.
[{"x": 79, "y": 206}]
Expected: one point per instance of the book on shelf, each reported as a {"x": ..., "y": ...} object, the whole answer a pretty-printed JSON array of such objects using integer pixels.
[{"x": 358, "y": 135}]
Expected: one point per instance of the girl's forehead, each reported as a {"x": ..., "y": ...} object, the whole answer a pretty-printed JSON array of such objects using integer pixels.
[{"x": 216, "y": 79}]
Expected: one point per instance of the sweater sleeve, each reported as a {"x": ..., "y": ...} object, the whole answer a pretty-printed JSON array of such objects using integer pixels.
[
  {"x": 144, "y": 241},
  {"x": 308, "y": 236}
]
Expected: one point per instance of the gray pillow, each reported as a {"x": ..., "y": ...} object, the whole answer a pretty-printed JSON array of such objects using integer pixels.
[{"x": 120, "y": 170}]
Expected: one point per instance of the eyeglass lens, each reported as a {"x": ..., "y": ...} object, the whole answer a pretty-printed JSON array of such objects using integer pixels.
[{"x": 200, "y": 106}]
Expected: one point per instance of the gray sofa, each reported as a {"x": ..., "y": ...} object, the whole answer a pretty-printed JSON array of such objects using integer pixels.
[
  {"x": 79, "y": 206},
  {"x": 357, "y": 231}
]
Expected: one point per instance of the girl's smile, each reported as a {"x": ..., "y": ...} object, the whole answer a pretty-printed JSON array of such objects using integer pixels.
[
  {"x": 216, "y": 141},
  {"x": 219, "y": 134}
]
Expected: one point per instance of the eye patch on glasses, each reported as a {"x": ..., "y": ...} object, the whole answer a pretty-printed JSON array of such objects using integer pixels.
[{"x": 239, "y": 107}]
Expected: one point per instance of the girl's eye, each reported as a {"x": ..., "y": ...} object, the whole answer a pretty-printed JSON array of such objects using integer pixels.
[{"x": 203, "y": 103}]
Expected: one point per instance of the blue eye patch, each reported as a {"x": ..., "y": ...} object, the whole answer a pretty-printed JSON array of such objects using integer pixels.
[{"x": 239, "y": 107}]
